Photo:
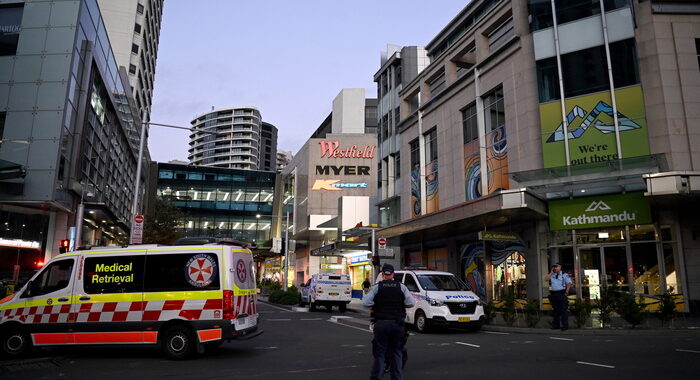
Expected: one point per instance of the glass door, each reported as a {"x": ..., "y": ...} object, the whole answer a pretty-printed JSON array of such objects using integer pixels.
[
  {"x": 615, "y": 265},
  {"x": 591, "y": 271}
]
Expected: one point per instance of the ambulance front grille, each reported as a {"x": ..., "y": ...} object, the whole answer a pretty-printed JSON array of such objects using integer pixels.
[{"x": 462, "y": 307}]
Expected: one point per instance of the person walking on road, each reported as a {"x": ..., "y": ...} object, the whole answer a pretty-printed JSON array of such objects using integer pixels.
[
  {"x": 559, "y": 285},
  {"x": 388, "y": 300}
]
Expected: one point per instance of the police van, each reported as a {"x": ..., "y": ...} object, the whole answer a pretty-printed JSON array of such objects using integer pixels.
[
  {"x": 441, "y": 300},
  {"x": 182, "y": 298},
  {"x": 326, "y": 289}
]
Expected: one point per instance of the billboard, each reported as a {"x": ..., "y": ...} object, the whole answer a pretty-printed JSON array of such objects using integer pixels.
[{"x": 591, "y": 130}]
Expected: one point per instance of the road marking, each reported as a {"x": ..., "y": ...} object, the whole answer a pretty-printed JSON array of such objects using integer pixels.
[
  {"x": 438, "y": 344},
  {"x": 277, "y": 307},
  {"x": 278, "y": 319},
  {"x": 692, "y": 351},
  {"x": 555, "y": 338},
  {"x": 468, "y": 344},
  {"x": 311, "y": 319},
  {"x": 266, "y": 348},
  {"x": 596, "y": 364},
  {"x": 321, "y": 369},
  {"x": 496, "y": 332},
  {"x": 352, "y": 327}
]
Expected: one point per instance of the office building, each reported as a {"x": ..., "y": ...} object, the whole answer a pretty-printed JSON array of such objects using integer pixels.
[
  {"x": 268, "y": 147},
  {"x": 535, "y": 137},
  {"x": 66, "y": 114}
]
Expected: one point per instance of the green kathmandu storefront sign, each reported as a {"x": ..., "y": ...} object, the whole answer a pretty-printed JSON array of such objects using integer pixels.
[{"x": 600, "y": 211}]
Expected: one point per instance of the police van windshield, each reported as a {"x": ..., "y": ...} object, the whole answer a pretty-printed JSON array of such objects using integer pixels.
[{"x": 441, "y": 282}]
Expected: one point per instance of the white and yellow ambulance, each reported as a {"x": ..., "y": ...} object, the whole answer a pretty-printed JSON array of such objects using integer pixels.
[{"x": 179, "y": 297}]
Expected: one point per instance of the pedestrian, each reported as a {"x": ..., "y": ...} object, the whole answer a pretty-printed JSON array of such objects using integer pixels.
[
  {"x": 559, "y": 286},
  {"x": 365, "y": 286},
  {"x": 388, "y": 300}
]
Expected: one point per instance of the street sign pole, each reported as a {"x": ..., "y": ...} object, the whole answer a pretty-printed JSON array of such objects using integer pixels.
[
  {"x": 374, "y": 252},
  {"x": 285, "y": 271}
]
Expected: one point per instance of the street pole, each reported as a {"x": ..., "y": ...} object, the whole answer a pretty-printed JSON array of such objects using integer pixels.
[
  {"x": 285, "y": 275},
  {"x": 137, "y": 183},
  {"x": 79, "y": 222},
  {"x": 373, "y": 254}
]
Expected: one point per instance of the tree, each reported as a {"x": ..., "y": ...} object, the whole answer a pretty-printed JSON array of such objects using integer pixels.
[{"x": 160, "y": 227}]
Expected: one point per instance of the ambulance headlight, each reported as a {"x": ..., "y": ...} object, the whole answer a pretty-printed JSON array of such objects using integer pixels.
[{"x": 434, "y": 302}]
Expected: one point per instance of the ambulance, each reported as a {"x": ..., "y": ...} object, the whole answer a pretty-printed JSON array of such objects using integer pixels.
[
  {"x": 442, "y": 300},
  {"x": 181, "y": 298}
]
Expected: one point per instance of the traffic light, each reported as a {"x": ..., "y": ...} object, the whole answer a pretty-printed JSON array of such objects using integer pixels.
[{"x": 63, "y": 246}]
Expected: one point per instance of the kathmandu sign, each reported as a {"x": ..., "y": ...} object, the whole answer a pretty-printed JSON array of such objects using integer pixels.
[
  {"x": 332, "y": 149},
  {"x": 601, "y": 211}
]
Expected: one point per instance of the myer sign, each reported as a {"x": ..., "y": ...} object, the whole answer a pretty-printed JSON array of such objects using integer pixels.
[{"x": 601, "y": 211}]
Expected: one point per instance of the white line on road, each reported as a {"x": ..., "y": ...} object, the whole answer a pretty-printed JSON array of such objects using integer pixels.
[
  {"x": 277, "y": 307},
  {"x": 496, "y": 332},
  {"x": 468, "y": 344},
  {"x": 352, "y": 327},
  {"x": 310, "y": 319},
  {"x": 694, "y": 352},
  {"x": 277, "y": 319},
  {"x": 596, "y": 364},
  {"x": 555, "y": 338}
]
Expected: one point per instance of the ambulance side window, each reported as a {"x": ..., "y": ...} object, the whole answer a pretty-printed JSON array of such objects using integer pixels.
[
  {"x": 410, "y": 283},
  {"x": 113, "y": 274},
  {"x": 182, "y": 272},
  {"x": 55, "y": 276}
]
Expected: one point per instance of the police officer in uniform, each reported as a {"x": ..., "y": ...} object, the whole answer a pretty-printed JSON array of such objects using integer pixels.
[
  {"x": 389, "y": 300},
  {"x": 559, "y": 285}
]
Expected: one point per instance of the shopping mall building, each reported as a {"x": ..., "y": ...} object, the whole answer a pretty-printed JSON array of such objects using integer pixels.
[{"x": 548, "y": 131}]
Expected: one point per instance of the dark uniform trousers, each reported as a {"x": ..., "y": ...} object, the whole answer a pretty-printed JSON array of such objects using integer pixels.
[
  {"x": 560, "y": 306},
  {"x": 389, "y": 314}
]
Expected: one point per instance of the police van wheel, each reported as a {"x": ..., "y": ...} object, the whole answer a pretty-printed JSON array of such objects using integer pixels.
[
  {"x": 15, "y": 342},
  {"x": 178, "y": 343},
  {"x": 421, "y": 322}
]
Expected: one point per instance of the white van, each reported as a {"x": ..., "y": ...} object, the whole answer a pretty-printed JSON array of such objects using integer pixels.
[
  {"x": 441, "y": 300},
  {"x": 178, "y": 297},
  {"x": 326, "y": 289}
]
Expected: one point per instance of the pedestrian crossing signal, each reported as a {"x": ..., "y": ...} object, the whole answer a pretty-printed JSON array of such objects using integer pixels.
[{"x": 63, "y": 246}]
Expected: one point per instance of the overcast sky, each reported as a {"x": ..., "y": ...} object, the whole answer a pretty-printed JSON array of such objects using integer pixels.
[{"x": 287, "y": 58}]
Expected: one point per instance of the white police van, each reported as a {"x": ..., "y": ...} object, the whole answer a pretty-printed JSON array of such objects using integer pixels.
[
  {"x": 326, "y": 289},
  {"x": 441, "y": 300}
]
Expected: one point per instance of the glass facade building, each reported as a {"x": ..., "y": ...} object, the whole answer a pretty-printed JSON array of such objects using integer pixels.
[{"x": 219, "y": 202}]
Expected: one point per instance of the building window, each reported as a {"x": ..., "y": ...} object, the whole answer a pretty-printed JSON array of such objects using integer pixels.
[
  {"x": 137, "y": 28},
  {"x": 567, "y": 11},
  {"x": 697, "y": 50},
  {"x": 585, "y": 71},
  {"x": 10, "y": 25},
  {"x": 431, "y": 146},
  {"x": 379, "y": 174},
  {"x": 134, "y": 48},
  {"x": 494, "y": 110},
  {"x": 139, "y": 9},
  {"x": 501, "y": 34},
  {"x": 415, "y": 155},
  {"x": 132, "y": 69},
  {"x": 397, "y": 165},
  {"x": 469, "y": 124},
  {"x": 2, "y": 124},
  {"x": 437, "y": 83}
]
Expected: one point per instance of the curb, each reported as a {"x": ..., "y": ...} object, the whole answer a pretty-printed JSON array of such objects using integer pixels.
[{"x": 591, "y": 332}]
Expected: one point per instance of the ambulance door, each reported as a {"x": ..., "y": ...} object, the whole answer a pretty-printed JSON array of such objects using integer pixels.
[
  {"x": 47, "y": 300},
  {"x": 109, "y": 299},
  {"x": 241, "y": 278}
]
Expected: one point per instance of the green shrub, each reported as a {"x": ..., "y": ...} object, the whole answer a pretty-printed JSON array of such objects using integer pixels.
[
  {"x": 276, "y": 295},
  {"x": 509, "y": 313},
  {"x": 532, "y": 312},
  {"x": 581, "y": 311},
  {"x": 606, "y": 305},
  {"x": 631, "y": 309},
  {"x": 290, "y": 297},
  {"x": 489, "y": 312},
  {"x": 668, "y": 307}
]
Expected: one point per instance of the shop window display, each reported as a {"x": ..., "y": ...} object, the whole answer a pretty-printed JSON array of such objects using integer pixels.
[{"x": 509, "y": 276}]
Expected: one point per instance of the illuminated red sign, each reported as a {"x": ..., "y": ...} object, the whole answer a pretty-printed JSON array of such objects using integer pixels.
[{"x": 332, "y": 149}]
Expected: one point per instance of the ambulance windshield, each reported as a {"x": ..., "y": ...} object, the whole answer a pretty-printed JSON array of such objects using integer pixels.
[{"x": 441, "y": 282}]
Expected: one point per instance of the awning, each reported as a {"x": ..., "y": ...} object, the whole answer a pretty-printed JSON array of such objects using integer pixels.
[
  {"x": 340, "y": 248},
  {"x": 507, "y": 206}
]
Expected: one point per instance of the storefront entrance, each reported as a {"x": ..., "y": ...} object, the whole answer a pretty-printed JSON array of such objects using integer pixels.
[{"x": 601, "y": 266}]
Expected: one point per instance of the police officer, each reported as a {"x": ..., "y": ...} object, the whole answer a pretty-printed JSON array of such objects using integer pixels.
[
  {"x": 559, "y": 285},
  {"x": 389, "y": 300}
]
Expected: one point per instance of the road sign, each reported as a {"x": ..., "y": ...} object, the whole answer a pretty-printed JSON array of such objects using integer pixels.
[
  {"x": 385, "y": 252},
  {"x": 137, "y": 230},
  {"x": 381, "y": 242}
]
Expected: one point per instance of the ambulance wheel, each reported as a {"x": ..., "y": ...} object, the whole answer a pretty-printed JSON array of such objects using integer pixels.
[
  {"x": 15, "y": 342},
  {"x": 179, "y": 343},
  {"x": 343, "y": 307},
  {"x": 421, "y": 322}
]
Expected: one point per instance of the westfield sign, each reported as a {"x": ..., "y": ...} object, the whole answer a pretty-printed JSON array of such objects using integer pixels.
[{"x": 332, "y": 149}]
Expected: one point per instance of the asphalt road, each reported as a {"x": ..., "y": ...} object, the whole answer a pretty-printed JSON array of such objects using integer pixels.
[{"x": 309, "y": 346}]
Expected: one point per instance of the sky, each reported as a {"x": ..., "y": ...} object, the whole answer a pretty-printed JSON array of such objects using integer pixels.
[{"x": 288, "y": 58}]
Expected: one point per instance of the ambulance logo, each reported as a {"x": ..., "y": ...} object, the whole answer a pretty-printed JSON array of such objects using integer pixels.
[
  {"x": 200, "y": 270},
  {"x": 240, "y": 271}
]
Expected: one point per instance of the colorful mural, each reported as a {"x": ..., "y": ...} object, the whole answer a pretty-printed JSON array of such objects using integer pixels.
[
  {"x": 496, "y": 164},
  {"x": 432, "y": 189},
  {"x": 591, "y": 130}
]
